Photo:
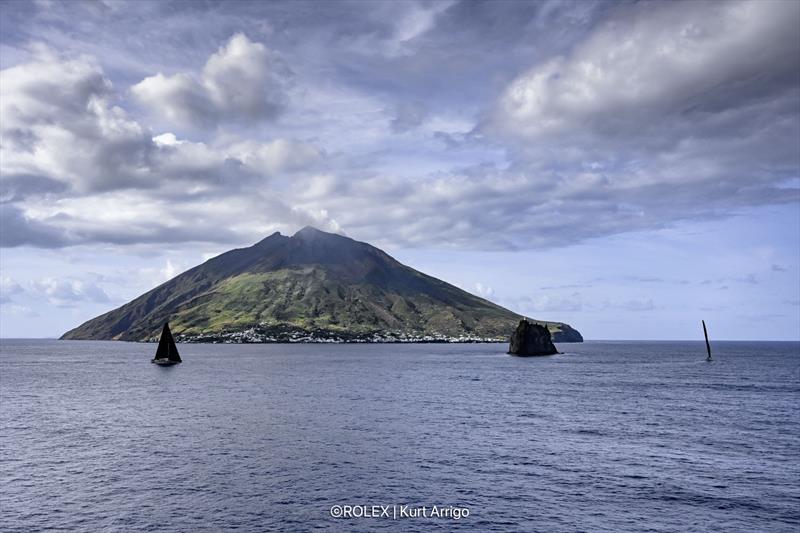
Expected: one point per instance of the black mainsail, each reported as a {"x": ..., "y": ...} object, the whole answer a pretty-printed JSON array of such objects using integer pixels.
[
  {"x": 167, "y": 351},
  {"x": 708, "y": 345}
]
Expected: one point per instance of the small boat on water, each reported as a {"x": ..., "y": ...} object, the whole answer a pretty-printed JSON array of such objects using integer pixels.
[{"x": 167, "y": 352}]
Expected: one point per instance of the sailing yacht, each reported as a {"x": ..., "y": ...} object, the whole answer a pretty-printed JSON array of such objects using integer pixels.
[
  {"x": 167, "y": 352},
  {"x": 708, "y": 346}
]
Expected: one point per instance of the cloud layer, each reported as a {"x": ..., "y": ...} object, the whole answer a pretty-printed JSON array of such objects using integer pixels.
[{"x": 464, "y": 124}]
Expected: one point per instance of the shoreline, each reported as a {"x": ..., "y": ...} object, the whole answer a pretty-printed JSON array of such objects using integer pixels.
[{"x": 239, "y": 338}]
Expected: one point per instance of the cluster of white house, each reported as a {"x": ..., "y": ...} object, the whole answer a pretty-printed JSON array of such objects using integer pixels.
[{"x": 252, "y": 335}]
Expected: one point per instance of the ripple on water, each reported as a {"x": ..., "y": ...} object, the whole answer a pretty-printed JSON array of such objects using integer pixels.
[{"x": 609, "y": 437}]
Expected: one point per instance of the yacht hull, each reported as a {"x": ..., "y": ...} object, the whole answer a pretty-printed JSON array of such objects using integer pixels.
[{"x": 164, "y": 362}]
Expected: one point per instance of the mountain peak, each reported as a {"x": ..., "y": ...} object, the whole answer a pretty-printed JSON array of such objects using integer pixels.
[
  {"x": 307, "y": 230},
  {"x": 310, "y": 232},
  {"x": 266, "y": 240}
]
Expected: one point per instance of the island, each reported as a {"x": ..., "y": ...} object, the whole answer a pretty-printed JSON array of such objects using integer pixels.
[{"x": 312, "y": 286}]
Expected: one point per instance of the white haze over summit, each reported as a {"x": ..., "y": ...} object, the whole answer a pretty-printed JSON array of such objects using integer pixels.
[{"x": 476, "y": 127}]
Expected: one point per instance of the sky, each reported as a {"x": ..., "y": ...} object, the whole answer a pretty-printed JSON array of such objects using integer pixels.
[{"x": 627, "y": 167}]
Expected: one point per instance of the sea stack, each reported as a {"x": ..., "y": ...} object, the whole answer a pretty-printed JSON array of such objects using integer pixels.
[{"x": 531, "y": 339}]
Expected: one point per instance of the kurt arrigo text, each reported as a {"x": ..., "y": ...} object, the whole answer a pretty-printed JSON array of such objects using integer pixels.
[{"x": 398, "y": 512}]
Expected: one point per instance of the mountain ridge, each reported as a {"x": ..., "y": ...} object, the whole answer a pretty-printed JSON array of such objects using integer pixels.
[{"x": 312, "y": 285}]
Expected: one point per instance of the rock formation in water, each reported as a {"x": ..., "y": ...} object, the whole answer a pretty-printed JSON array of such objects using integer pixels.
[{"x": 531, "y": 339}]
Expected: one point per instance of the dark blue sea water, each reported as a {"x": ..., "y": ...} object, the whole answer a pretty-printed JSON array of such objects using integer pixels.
[{"x": 627, "y": 436}]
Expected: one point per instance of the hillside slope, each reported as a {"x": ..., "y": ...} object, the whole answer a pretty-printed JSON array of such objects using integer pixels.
[{"x": 313, "y": 283}]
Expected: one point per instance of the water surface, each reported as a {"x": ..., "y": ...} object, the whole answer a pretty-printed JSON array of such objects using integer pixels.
[{"x": 628, "y": 436}]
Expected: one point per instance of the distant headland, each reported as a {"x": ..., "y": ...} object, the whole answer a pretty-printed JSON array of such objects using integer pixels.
[{"x": 311, "y": 287}]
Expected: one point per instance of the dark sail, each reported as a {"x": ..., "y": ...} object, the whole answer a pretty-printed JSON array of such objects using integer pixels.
[
  {"x": 166, "y": 346},
  {"x": 708, "y": 346}
]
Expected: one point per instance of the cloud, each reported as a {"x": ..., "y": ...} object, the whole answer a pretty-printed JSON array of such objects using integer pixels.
[
  {"x": 75, "y": 168},
  {"x": 242, "y": 81},
  {"x": 60, "y": 129},
  {"x": 9, "y": 288},
  {"x": 749, "y": 279},
  {"x": 169, "y": 270},
  {"x": 681, "y": 110},
  {"x": 66, "y": 293},
  {"x": 680, "y": 123},
  {"x": 484, "y": 291},
  {"x": 179, "y": 98},
  {"x": 407, "y": 116},
  {"x": 544, "y": 303},
  {"x": 581, "y": 133},
  {"x": 17, "y": 230},
  {"x": 638, "y": 305},
  {"x": 417, "y": 20},
  {"x": 139, "y": 217},
  {"x": 209, "y": 255},
  {"x": 277, "y": 156},
  {"x": 695, "y": 59},
  {"x": 128, "y": 218},
  {"x": 12, "y": 309}
]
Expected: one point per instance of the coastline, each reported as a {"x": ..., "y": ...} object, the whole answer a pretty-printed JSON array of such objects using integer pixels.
[{"x": 250, "y": 337}]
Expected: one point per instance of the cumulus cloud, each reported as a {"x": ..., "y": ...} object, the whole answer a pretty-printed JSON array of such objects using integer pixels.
[
  {"x": 9, "y": 288},
  {"x": 280, "y": 155},
  {"x": 75, "y": 168},
  {"x": 179, "y": 97},
  {"x": 662, "y": 97},
  {"x": 60, "y": 128},
  {"x": 664, "y": 112},
  {"x": 65, "y": 293},
  {"x": 680, "y": 60},
  {"x": 243, "y": 80}
]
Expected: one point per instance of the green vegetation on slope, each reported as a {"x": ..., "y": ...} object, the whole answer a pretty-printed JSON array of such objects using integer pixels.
[
  {"x": 308, "y": 298},
  {"x": 311, "y": 281}
]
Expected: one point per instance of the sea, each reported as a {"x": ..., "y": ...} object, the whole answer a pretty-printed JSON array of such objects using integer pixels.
[{"x": 608, "y": 436}]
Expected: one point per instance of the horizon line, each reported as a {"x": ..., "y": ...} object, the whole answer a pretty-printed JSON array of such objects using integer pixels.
[{"x": 584, "y": 341}]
